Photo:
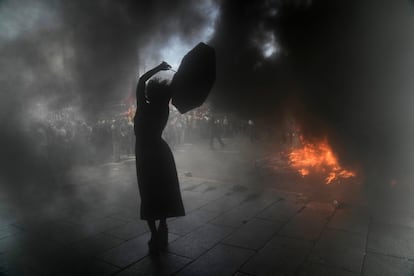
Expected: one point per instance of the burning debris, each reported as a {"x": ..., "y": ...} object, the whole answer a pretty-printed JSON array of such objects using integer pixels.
[
  {"x": 306, "y": 158},
  {"x": 317, "y": 158}
]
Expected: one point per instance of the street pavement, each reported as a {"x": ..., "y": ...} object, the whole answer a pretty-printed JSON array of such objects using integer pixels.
[{"x": 238, "y": 222}]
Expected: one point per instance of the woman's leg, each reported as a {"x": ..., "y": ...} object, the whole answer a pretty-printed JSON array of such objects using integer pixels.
[
  {"x": 153, "y": 242},
  {"x": 163, "y": 222},
  {"x": 152, "y": 227},
  {"x": 163, "y": 232}
]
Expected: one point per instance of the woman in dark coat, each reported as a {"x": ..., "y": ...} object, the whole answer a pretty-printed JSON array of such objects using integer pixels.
[{"x": 156, "y": 172}]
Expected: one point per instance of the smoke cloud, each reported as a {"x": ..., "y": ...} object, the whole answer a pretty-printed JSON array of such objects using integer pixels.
[
  {"x": 341, "y": 67},
  {"x": 85, "y": 55}
]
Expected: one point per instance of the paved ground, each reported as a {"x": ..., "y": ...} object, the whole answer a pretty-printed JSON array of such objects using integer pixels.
[{"x": 239, "y": 225}]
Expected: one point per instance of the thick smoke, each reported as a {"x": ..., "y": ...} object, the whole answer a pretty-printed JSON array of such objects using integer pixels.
[
  {"x": 343, "y": 68},
  {"x": 86, "y": 51},
  {"x": 340, "y": 66},
  {"x": 84, "y": 54}
]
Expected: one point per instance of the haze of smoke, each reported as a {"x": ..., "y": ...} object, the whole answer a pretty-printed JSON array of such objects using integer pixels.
[
  {"x": 343, "y": 65},
  {"x": 342, "y": 68},
  {"x": 59, "y": 53}
]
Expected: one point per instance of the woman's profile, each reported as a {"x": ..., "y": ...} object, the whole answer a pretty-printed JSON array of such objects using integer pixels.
[{"x": 156, "y": 171}]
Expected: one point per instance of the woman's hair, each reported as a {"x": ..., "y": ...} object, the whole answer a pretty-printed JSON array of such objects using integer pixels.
[{"x": 158, "y": 90}]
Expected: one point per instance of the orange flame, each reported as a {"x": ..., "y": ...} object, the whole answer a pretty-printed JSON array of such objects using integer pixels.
[
  {"x": 130, "y": 113},
  {"x": 319, "y": 158}
]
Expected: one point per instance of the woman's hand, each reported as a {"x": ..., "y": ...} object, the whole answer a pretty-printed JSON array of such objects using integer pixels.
[
  {"x": 164, "y": 66},
  {"x": 161, "y": 67}
]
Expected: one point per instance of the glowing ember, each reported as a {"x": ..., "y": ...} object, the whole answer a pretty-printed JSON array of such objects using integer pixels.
[{"x": 317, "y": 158}]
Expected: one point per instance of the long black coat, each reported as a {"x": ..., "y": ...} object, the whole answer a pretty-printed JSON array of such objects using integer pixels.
[{"x": 156, "y": 171}]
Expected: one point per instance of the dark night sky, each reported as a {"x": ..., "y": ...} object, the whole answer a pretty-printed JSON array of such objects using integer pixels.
[{"x": 343, "y": 67}]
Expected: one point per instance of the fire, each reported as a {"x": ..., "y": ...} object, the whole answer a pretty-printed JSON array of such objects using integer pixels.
[
  {"x": 318, "y": 158},
  {"x": 130, "y": 113}
]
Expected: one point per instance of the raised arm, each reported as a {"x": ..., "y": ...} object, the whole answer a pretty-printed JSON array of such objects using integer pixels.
[{"x": 140, "y": 92}]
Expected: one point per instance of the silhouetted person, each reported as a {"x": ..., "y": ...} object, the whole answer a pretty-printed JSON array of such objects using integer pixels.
[
  {"x": 156, "y": 172},
  {"x": 251, "y": 130},
  {"x": 215, "y": 132}
]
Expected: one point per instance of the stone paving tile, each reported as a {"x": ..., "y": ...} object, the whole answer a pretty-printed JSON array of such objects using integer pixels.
[
  {"x": 80, "y": 217},
  {"x": 220, "y": 260},
  {"x": 68, "y": 236},
  {"x": 192, "y": 195},
  {"x": 313, "y": 269},
  {"x": 51, "y": 230},
  {"x": 352, "y": 220},
  {"x": 191, "y": 221},
  {"x": 172, "y": 237},
  {"x": 21, "y": 242},
  {"x": 397, "y": 218},
  {"x": 209, "y": 185},
  {"x": 4, "y": 225},
  {"x": 224, "y": 203},
  {"x": 321, "y": 208},
  {"x": 6, "y": 219},
  {"x": 193, "y": 204},
  {"x": 380, "y": 265},
  {"x": 128, "y": 252},
  {"x": 101, "y": 225},
  {"x": 165, "y": 264},
  {"x": 18, "y": 271},
  {"x": 188, "y": 187},
  {"x": 243, "y": 212},
  {"x": 391, "y": 240},
  {"x": 342, "y": 249},
  {"x": 309, "y": 223},
  {"x": 51, "y": 260},
  {"x": 280, "y": 256},
  {"x": 95, "y": 245},
  {"x": 193, "y": 200},
  {"x": 282, "y": 210},
  {"x": 254, "y": 234},
  {"x": 211, "y": 190},
  {"x": 8, "y": 230},
  {"x": 238, "y": 273},
  {"x": 129, "y": 230},
  {"x": 189, "y": 183},
  {"x": 263, "y": 198},
  {"x": 90, "y": 268},
  {"x": 34, "y": 224},
  {"x": 199, "y": 241},
  {"x": 10, "y": 265},
  {"x": 28, "y": 242},
  {"x": 130, "y": 214},
  {"x": 102, "y": 269}
]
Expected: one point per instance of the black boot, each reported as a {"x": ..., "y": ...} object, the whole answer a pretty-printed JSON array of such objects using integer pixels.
[{"x": 154, "y": 245}]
